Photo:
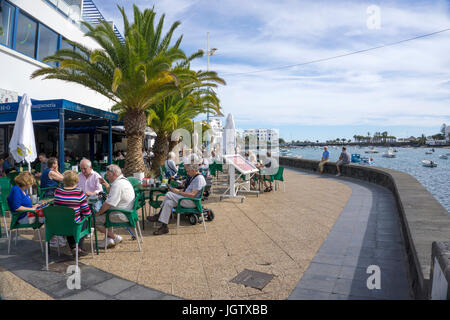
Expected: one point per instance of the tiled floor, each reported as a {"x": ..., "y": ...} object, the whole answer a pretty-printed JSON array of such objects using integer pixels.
[{"x": 366, "y": 233}]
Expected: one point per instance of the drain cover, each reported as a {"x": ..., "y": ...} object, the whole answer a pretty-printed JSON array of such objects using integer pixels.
[{"x": 254, "y": 279}]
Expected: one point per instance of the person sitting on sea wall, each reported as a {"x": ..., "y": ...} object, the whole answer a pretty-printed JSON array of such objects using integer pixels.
[
  {"x": 325, "y": 158},
  {"x": 344, "y": 158}
]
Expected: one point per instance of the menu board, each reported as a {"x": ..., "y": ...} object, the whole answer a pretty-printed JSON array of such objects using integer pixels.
[{"x": 239, "y": 162}]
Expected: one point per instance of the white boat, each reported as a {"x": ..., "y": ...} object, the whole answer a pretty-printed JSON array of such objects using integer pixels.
[
  {"x": 372, "y": 151},
  {"x": 443, "y": 156},
  {"x": 389, "y": 154},
  {"x": 429, "y": 163}
]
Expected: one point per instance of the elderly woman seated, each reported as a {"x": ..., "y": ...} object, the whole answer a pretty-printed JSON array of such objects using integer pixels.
[
  {"x": 171, "y": 167},
  {"x": 19, "y": 199},
  {"x": 71, "y": 196}
]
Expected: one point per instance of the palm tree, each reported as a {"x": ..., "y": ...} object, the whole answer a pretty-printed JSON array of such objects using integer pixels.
[{"x": 135, "y": 74}]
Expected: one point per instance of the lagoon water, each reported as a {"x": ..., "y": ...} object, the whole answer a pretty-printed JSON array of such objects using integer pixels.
[{"x": 436, "y": 180}]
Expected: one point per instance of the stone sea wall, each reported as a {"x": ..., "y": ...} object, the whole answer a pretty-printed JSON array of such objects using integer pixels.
[{"x": 423, "y": 219}]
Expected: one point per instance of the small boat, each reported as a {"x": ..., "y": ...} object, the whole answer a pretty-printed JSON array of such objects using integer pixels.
[
  {"x": 395, "y": 150},
  {"x": 443, "y": 156},
  {"x": 389, "y": 154},
  {"x": 429, "y": 163},
  {"x": 366, "y": 160},
  {"x": 428, "y": 152},
  {"x": 371, "y": 151}
]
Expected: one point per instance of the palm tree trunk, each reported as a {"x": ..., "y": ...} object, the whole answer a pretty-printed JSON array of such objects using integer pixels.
[
  {"x": 134, "y": 124},
  {"x": 160, "y": 149}
]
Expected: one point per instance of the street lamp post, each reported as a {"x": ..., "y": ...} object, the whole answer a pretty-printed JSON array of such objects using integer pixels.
[{"x": 208, "y": 54}]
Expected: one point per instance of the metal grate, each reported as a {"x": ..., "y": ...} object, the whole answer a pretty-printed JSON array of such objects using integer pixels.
[{"x": 254, "y": 279}]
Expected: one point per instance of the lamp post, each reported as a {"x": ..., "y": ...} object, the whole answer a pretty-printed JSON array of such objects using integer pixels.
[{"x": 208, "y": 54}]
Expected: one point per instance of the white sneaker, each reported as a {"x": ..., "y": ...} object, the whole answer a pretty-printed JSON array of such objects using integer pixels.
[
  {"x": 54, "y": 242},
  {"x": 117, "y": 239},
  {"x": 107, "y": 243},
  {"x": 337, "y": 175}
]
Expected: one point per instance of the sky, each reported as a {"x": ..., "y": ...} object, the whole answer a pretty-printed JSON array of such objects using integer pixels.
[{"x": 402, "y": 89}]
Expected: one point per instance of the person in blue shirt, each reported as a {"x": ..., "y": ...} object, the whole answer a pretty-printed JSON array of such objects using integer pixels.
[
  {"x": 18, "y": 198},
  {"x": 325, "y": 158},
  {"x": 7, "y": 167},
  {"x": 50, "y": 177}
]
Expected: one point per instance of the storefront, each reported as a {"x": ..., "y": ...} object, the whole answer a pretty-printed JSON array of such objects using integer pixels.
[{"x": 64, "y": 128}]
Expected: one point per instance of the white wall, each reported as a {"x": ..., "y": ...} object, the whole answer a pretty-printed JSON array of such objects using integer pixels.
[{"x": 17, "y": 68}]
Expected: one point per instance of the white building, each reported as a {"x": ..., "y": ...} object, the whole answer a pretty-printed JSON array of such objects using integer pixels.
[
  {"x": 447, "y": 133},
  {"x": 269, "y": 135},
  {"x": 34, "y": 29},
  {"x": 216, "y": 126}
]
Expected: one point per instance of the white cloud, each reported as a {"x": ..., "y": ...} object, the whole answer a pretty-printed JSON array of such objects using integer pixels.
[{"x": 406, "y": 84}]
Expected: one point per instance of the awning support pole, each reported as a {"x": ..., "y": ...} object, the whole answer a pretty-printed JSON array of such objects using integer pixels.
[
  {"x": 61, "y": 141},
  {"x": 110, "y": 147}
]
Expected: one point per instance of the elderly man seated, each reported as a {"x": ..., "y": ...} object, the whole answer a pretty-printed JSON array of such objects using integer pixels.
[
  {"x": 120, "y": 196},
  {"x": 192, "y": 189},
  {"x": 89, "y": 180}
]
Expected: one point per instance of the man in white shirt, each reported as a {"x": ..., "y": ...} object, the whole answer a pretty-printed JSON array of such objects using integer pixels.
[
  {"x": 120, "y": 196},
  {"x": 192, "y": 190}
]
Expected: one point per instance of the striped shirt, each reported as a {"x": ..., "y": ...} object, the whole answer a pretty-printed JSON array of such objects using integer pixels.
[{"x": 75, "y": 199}]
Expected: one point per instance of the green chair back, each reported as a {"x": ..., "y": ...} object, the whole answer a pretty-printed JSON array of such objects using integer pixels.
[
  {"x": 60, "y": 221},
  {"x": 134, "y": 181},
  {"x": 121, "y": 163},
  {"x": 38, "y": 166},
  {"x": 213, "y": 170},
  {"x": 279, "y": 175},
  {"x": 5, "y": 189},
  {"x": 11, "y": 177}
]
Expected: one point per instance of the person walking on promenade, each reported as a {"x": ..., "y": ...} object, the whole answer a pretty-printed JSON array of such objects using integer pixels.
[
  {"x": 325, "y": 158},
  {"x": 344, "y": 158}
]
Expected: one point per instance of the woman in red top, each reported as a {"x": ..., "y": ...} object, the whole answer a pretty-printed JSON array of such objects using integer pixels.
[{"x": 72, "y": 197}]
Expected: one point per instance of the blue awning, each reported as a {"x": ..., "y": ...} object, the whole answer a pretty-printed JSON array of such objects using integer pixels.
[{"x": 75, "y": 114}]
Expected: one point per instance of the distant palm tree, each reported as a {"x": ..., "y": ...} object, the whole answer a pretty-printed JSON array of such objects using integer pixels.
[{"x": 135, "y": 73}]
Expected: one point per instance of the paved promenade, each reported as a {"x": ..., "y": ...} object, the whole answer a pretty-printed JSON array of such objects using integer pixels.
[{"x": 286, "y": 234}]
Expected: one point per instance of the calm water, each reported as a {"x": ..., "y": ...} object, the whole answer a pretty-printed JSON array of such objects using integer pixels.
[{"x": 409, "y": 160}]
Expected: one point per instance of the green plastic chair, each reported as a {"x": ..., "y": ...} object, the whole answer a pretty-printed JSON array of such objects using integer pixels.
[
  {"x": 213, "y": 170},
  {"x": 133, "y": 180},
  {"x": 16, "y": 226},
  {"x": 41, "y": 192},
  {"x": 121, "y": 163},
  {"x": 67, "y": 166},
  {"x": 60, "y": 221},
  {"x": 133, "y": 221},
  {"x": 279, "y": 177},
  {"x": 197, "y": 210},
  {"x": 37, "y": 167},
  {"x": 11, "y": 177},
  {"x": 5, "y": 189}
]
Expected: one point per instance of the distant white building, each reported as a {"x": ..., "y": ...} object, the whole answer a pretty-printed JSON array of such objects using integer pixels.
[
  {"x": 447, "y": 133},
  {"x": 216, "y": 126},
  {"x": 269, "y": 135}
]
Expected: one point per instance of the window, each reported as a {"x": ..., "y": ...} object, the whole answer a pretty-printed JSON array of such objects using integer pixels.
[
  {"x": 48, "y": 42},
  {"x": 6, "y": 17},
  {"x": 66, "y": 45},
  {"x": 26, "y": 35}
]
